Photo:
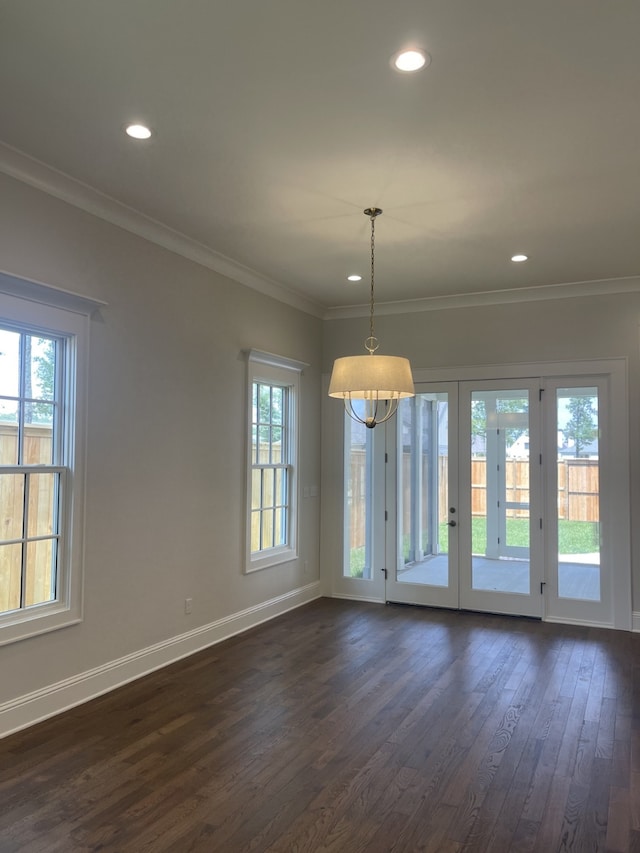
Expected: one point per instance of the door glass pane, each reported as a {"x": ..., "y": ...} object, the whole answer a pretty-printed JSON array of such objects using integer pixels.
[
  {"x": 578, "y": 494},
  {"x": 423, "y": 429},
  {"x": 357, "y": 488},
  {"x": 500, "y": 532}
]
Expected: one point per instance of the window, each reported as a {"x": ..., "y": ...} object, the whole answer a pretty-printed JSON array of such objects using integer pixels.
[
  {"x": 358, "y": 479},
  {"x": 272, "y": 490},
  {"x": 41, "y": 452}
]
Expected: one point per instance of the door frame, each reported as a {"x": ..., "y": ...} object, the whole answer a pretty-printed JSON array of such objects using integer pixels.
[
  {"x": 614, "y": 419},
  {"x": 613, "y": 512},
  {"x": 618, "y": 496},
  {"x": 459, "y": 593}
]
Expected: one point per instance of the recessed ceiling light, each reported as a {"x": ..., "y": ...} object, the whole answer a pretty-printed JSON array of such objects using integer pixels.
[
  {"x": 411, "y": 60},
  {"x": 518, "y": 259},
  {"x": 354, "y": 278},
  {"x": 138, "y": 131}
]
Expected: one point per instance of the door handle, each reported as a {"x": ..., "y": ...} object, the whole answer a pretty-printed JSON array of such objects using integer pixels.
[{"x": 451, "y": 523}]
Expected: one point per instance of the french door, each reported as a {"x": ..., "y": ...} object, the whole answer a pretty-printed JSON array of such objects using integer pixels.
[
  {"x": 508, "y": 496},
  {"x": 467, "y": 475}
]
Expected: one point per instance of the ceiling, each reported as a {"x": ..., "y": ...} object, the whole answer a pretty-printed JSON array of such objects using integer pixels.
[{"x": 277, "y": 121}]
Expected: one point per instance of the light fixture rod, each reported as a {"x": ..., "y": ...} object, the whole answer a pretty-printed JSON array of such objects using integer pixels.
[{"x": 371, "y": 344}]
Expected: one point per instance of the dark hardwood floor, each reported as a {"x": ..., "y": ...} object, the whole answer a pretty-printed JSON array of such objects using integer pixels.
[{"x": 350, "y": 727}]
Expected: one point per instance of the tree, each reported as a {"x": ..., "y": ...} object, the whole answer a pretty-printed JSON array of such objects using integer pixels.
[
  {"x": 582, "y": 424},
  {"x": 44, "y": 363},
  {"x": 478, "y": 419},
  {"x": 502, "y": 406}
]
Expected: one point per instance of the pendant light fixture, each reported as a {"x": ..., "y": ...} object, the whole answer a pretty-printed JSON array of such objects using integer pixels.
[{"x": 380, "y": 380}]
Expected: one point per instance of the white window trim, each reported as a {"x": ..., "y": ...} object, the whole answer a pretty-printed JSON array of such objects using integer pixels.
[
  {"x": 60, "y": 314},
  {"x": 274, "y": 369}
]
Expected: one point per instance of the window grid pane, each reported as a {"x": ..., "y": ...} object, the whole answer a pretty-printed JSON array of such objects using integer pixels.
[
  {"x": 267, "y": 487},
  {"x": 41, "y": 519},
  {"x": 40, "y": 572},
  {"x": 11, "y": 506},
  {"x": 9, "y": 363},
  {"x": 278, "y": 526},
  {"x": 255, "y": 531},
  {"x": 267, "y": 529},
  {"x": 10, "y": 577},
  {"x": 277, "y": 400}
]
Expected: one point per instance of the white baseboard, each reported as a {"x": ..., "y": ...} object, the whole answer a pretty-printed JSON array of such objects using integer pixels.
[
  {"x": 51, "y": 700},
  {"x": 635, "y": 621},
  {"x": 580, "y": 623},
  {"x": 370, "y": 599}
]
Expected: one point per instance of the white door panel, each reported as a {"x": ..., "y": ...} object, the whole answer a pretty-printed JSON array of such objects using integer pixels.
[
  {"x": 500, "y": 497},
  {"x": 422, "y": 565}
]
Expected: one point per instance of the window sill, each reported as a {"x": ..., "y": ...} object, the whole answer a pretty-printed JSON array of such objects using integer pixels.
[
  {"x": 276, "y": 557},
  {"x": 41, "y": 619}
]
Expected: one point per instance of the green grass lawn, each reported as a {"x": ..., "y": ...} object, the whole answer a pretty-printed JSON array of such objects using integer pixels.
[{"x": 574, "y": 537}]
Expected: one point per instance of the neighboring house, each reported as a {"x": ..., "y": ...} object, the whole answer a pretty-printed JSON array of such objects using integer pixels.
[
  {"x": 568, "y": 449},
  {"x": 520, "y": 447}
]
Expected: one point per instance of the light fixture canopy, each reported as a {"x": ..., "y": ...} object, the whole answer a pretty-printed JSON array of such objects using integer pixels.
[{"x": 380, "y": 380}]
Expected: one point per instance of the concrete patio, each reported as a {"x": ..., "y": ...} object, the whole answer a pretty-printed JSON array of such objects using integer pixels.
[{"x": 578, "y": 574}]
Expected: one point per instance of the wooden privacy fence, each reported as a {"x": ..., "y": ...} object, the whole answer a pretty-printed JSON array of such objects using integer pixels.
[
  {"x": 578, "y": 490},
  {"x": 38, "y": 579}
]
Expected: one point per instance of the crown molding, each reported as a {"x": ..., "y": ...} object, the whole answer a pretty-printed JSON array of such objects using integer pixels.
[
  {"x": 39, "y": 175},
  {"x": 35, "y": 173},
  {"x": 574, "y": 289}
]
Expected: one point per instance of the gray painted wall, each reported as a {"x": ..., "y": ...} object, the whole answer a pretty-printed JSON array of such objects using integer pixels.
[
  {"x": 571, "y": 329},
  {"x": 165, "y": 467},
  {"x": 166, "y": 447}
]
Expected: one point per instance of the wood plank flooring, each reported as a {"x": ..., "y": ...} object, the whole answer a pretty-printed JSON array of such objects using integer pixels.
[{"x": 343, "y": 727}]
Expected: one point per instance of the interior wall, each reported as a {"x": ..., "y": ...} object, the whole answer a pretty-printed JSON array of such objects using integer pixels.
[
  {"x": 166, "y": 436},
  {"x": 571, "y": 329}
]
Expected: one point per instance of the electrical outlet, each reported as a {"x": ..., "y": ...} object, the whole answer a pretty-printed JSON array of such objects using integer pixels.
[{"x": 188, "y": 606}]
